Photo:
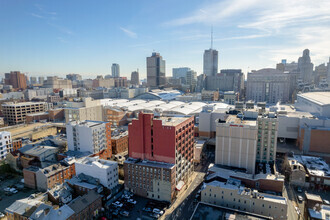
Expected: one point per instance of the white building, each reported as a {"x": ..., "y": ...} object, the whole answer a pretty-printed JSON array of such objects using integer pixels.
[
  {"x": 105, "y": 170},
  {"x": 5, "y": 144},
  {"x": 317, "y": 103},
  {"x": 91, "y": 136},
  {"x": 232, "y": 195},
  {"x": 236, "y": 143}
]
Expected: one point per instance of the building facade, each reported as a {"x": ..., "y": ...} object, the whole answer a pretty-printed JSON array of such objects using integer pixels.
[
  {"x": 91, "y": 136},
  {"x": 305, "y": 67},
  {"x": 105, "y": 170},
  {"x": 155, "y": 70},
  {"x": 210, "y": 62},
  {"x": 119, "y": 143},
  {"x": 115, "y": 70},
  {"x": 15, "y": 113},
  {"x": 6, "y": 144},
  {"x": 16, "y": 79},
  {"x": 236, "y": 143},
  {"x": 135, "y": 80},
  {"x": 268, "y": 85}
]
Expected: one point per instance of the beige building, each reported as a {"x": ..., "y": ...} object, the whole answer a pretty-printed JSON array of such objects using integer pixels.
[
  {"x": 88, "y": 109},
  {"x": 232, "y": 195},
  {"x": 236, "y": 142},
  {"x": 295, "y": 172},
  {"x": 57, "y": 83},
  {"x": 15, "y": 113},
  {"x": 267, "y": 139}
]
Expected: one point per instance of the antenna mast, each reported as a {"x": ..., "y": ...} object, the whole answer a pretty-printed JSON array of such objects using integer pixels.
[{"x": 211, "y": 37}]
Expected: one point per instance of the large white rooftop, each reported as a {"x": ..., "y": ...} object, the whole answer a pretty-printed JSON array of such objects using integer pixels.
[{"x": 320, "y": 98}]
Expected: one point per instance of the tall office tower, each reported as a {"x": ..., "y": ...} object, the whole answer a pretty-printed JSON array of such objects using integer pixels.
[
  {"x": 135, "y": 78},
  {"x": 267, "y": 139},
  {"x": 91, "y": 136},
  {"x": 160, "y": 155},
  {"x": 41, "y": 80},
  {"x": 236, "y": 142},
  {"x": 191, "y": 80},
  {"x": 16, "y": 79},
  {"x": 305, "y": 67},
  {"x": 155, "y": 70},
  {"x": 210, "y": 64},
  {"x": 115, "y": 71},
  {"x": 268, "y": 85},
  {"x": 33, "y": 80}
]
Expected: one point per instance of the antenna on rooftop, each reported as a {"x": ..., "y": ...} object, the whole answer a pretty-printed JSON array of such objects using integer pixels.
[{"x": 211, "y": 36}]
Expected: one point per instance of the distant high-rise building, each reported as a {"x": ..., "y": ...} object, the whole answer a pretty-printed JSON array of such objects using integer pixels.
[
  {"x": 156, "y": 70},
  {"x": 180, "y": 72},
  {"x": 115, "y": 71},
  {"x": 135, "y": 78},
  {"x": 74, "y": 77},
  {"x": 328, "y": 67},
  {"x": 227, "y": 80},
  {"x": 305, "y": 67},
  {"x": 41, "y": 80},
  {"x": 191, "y": 80},
  {"x": 33, "y": 80},
  {"x": 16, "y": 79},
  {"x": 268, "y": 85},
  {"x": 210, "y": 64}
]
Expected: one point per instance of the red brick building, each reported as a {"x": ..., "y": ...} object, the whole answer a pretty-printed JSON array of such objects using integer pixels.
[
  {"x": 119, "y": 143},
  {"x": 166, "y": 144},
  {"x": 16, "y": 79}
]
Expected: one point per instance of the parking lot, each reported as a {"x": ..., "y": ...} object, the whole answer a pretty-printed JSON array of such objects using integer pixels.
[
  {"x": 134, "y": 211},
  {"x": 8, "y": 198}
]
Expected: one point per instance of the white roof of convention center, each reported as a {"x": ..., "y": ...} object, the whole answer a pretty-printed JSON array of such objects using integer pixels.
[{"x": 320, "y": 98}]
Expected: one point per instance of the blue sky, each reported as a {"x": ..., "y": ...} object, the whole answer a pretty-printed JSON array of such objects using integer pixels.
[{"x": 77, "y": 36}]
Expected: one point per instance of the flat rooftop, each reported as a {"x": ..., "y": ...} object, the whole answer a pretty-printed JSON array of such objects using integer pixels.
[
  {"x": 22, "y": 103},
  {"x": 149, "y": 163},
  {"x": 232, "y": 119},
  {"x": 209, "y": 211},
  {"x": 320, "y": 98},
  {"x": 172, "y": 121},
  {"x": 88, "y": 123}
]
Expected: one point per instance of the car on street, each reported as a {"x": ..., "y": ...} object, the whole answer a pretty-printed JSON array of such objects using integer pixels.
[
  {"x": 300, "y": 198},
  {"x": 124, "y": 213},
  {"x": 157, "y": 211},
  {"x": 326, "y": 202},
  {"x": 2, "y": 215},
  {"x": 117, "y": 204}
]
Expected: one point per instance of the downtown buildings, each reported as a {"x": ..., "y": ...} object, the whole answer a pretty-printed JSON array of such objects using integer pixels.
[
  {"x": 160, "y": 155},
  {"x": 16, "y": 79}
]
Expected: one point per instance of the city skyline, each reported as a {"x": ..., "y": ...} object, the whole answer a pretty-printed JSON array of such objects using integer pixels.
[{"x": 48, "y": 38}]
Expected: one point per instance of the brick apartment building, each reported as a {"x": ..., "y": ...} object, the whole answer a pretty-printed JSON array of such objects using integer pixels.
[
  {"x": 119, "y": 143},
  {"x": 16, "y": 79},
  {"x": 160, "y": 155}
]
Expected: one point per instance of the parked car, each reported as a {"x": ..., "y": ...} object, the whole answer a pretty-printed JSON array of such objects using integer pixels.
[
  {"x": 2, "y": 215},
  {"x": 124, "y": 213},
  {"x": 326, "y": 202},
  {"x": 157, "y": 211},
  {"x": 147, "y": 209},
  {"x": 117, "y": 204},
  {"x": 13, "y": 190},
  {"x": 131, "y": 201},
  {"x": 300, "y": 198}
]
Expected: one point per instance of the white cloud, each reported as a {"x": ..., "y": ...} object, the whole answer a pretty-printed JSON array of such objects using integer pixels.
[
  {"x": 36, "y": 15},
  {"x": 129, "y": 32}
]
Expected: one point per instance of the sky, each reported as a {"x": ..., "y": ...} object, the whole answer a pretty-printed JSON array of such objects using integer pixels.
[{"x": 48, "y": 37}]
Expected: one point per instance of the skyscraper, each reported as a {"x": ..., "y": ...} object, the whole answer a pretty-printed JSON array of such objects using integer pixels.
[
  {"x": 305, "y": 67},
  {"x": 191, "y": 80},
  {"x": 135, "y": 78},
  {"x": 115, "y": 71},
  {"x": 210, "y": 64},
  {"x": 155, "y": 70}
]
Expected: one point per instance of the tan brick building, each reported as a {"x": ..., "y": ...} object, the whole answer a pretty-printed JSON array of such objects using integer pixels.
[{"x": 119, "y": 143}]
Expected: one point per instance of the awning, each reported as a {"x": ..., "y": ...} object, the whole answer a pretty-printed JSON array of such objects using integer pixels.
[{"x": 179, "y": 185}]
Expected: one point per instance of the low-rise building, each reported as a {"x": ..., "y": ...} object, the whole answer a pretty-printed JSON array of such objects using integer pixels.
[
  {"x": 210, "y": 95},
  {"x": 295, "y": 172},
  {"x": 87, "y": 206},
  {"x": 105, "y": 170},
  {"x": 119, "y": 142},
  {"x": 115, "y": 115},
  {"x": 60, "y": 194},
  {"x": 314, "y": 208},
  {"x": 232, "y": 195},
  {"x": 40, "y": 156},
  {"x": 83, "y": 183}
]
